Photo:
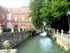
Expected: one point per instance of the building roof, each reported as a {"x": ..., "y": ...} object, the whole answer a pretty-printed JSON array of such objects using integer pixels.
[{"x": 19, "y": 9}]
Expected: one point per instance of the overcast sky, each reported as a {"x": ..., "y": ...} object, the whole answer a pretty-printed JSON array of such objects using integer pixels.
[{"x": 14, "y": 3}]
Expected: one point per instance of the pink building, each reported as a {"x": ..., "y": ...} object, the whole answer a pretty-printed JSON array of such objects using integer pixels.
[
  {"x": 18, "y": 17},
  {"x": 3, "y": 16}
]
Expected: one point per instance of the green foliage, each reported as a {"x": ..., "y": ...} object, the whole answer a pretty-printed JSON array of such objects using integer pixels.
[
  {"x": 59, "y": 9},
  {"x": 35, "y": 14},
  {"x": 54, "y": 9},
  {"x": 47, "y": 10},
  {"x": 6, "y": 30},
  {"x": 68, "y": 51}
]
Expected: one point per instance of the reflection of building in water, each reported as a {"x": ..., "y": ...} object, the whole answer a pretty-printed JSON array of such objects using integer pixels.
[{"x": 45, "y": 44}]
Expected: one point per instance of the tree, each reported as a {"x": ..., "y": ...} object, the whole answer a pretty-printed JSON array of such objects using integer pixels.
[
  {"x": 49, "y": 11},
  {"x": 35, "y": 14},
  {"x": 54, "y": 9}
]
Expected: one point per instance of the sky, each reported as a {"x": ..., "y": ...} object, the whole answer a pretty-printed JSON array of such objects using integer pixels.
[{"x": 14, "y": 3}]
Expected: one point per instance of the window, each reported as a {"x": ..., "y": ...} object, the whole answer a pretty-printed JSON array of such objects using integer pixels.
[
  {"x": 22, "y": 9},
  {"x": 3, "y": 17},
  {"x": 23, "y": 27},
  {"x": 15, "y": 10},
  {"x": 30, "y": 26},
  {"x": 15, "y": 18},
  {"x": 22, "y": 18},
  {"x": 9, "y": 16},
  {"x": 9, "y": 25},
  {"x": 15, "y": 27}
]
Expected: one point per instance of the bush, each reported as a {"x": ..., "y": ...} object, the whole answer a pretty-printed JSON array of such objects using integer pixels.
[
  {"x": 68, "y": 51},
  {"x": 15, "y": 29},
  {"x": 54, "y": 39},
  {"x": 21, "y": 29},
  {"x": 6, "y": 30}
]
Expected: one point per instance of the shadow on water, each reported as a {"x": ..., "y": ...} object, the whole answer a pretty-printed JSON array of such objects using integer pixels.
[{"x": 38, "y": 44}]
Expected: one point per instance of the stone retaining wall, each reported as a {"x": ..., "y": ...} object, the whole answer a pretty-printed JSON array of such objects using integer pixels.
[
  {"x": 62, "y": 39},
  {"x": 15, "y": 37},
  {"x": 63, "y": 42}
]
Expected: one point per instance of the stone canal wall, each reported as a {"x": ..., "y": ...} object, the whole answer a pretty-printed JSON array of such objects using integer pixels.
[
  {"x": 14, "y": 37},
  {"x": 62, "y": 39},
  {"x": 63, "y": 42}
]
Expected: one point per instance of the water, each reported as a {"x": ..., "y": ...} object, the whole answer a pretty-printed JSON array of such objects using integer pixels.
[{"x": 38, "y": 44}]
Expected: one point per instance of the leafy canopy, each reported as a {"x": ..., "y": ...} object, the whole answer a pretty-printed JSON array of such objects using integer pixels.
[
  {"x": 47, "y": 10},
  {"x": 35, "y": 14},
  {"x": 54, "y": 9}
]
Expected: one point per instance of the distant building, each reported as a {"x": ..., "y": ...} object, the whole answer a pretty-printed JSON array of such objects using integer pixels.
[
  {"x": 18, "y": 17},
  {"x": 3, "y": 16}
]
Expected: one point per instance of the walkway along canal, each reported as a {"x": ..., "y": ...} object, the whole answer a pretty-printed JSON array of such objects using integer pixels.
[{"x": 37, "y": 44}]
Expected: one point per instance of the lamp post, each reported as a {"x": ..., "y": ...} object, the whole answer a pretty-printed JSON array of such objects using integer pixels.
[
  {"x": 44, "y": 23},
  {"x": 68, "y": 14}
]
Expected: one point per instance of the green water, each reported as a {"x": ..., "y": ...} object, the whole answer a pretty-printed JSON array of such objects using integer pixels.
[{"x": 37, "y": 44}]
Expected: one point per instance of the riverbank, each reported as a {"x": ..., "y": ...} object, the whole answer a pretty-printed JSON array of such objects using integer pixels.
[{"x": 54, "y": 39}]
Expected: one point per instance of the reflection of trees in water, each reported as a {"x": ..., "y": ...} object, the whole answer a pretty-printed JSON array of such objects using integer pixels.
[{"x": 45, "y": 44}]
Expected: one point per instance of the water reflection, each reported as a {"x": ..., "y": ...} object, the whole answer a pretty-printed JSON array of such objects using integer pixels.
[{"x": 45, "y": 44}]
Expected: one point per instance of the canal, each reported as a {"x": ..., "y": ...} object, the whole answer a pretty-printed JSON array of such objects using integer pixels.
[{"x": 37, "y": 44}]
